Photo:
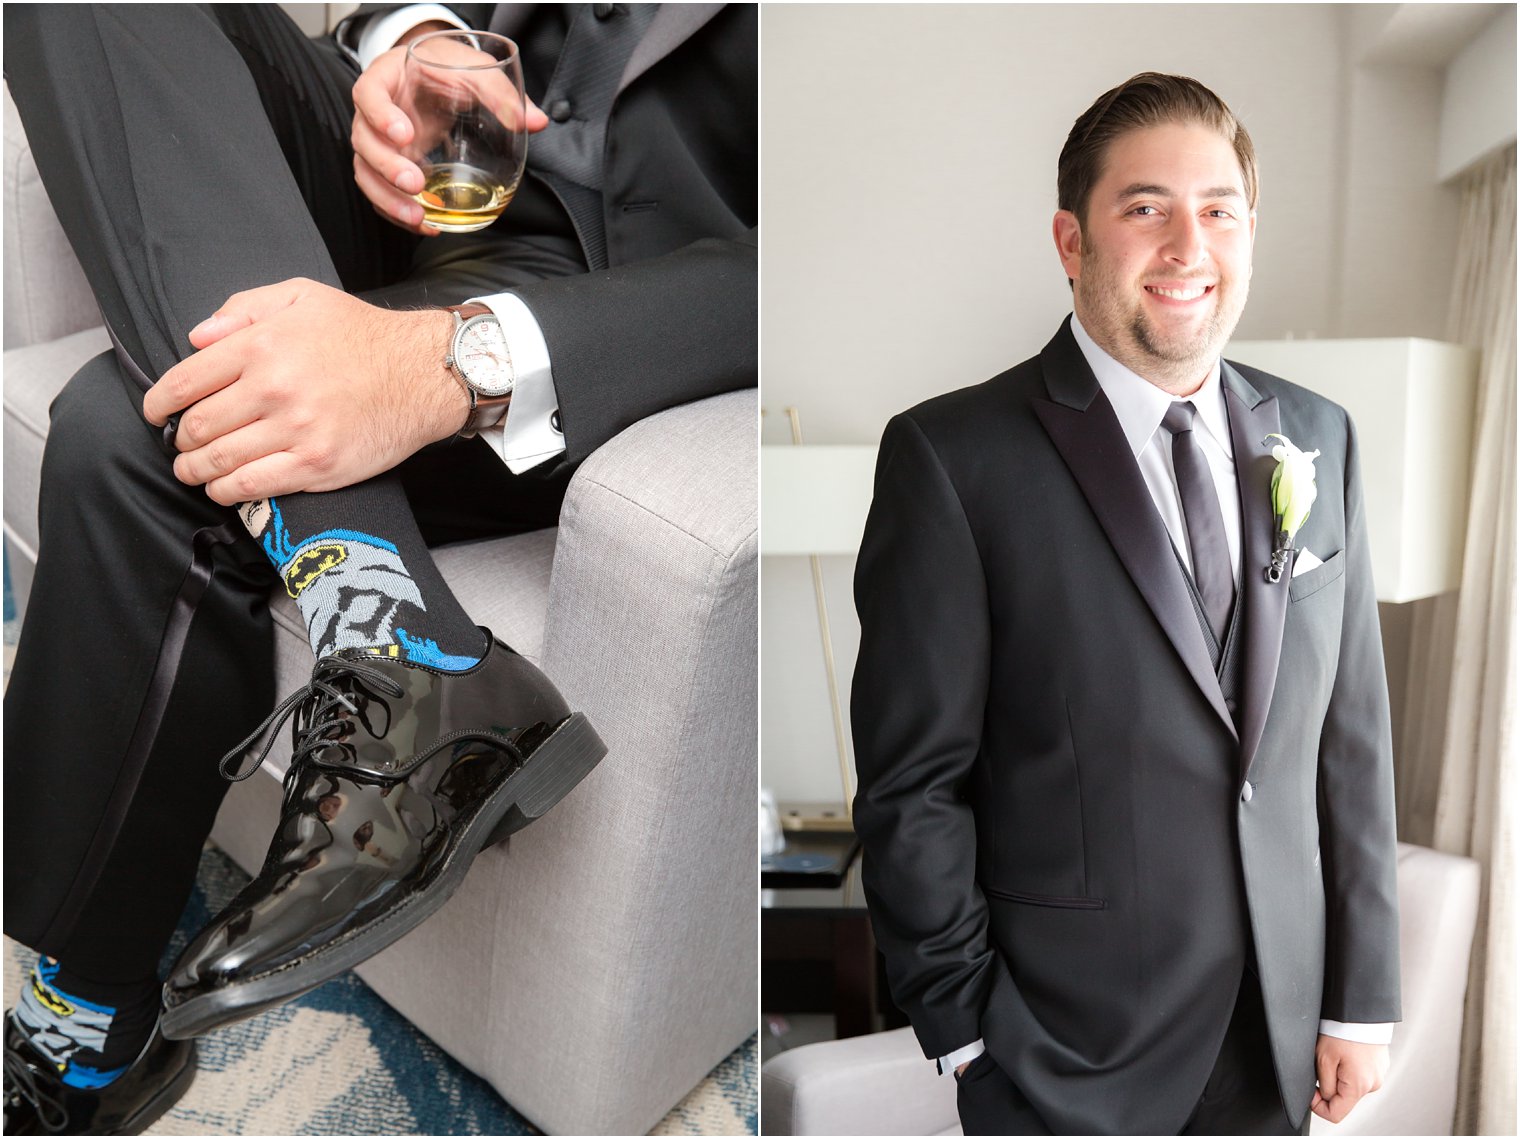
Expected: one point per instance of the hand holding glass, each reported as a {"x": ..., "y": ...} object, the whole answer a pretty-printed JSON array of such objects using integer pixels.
[{"x": 463, "y": 93}]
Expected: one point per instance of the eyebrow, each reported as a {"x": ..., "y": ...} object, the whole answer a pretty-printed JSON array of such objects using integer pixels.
[{"x": 1139, "y": 189}]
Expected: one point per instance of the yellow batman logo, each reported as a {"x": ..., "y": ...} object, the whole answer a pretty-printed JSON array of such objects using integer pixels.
[
  {"x": 311, "y": 564},
  {"x": 51, "y": 1000}
]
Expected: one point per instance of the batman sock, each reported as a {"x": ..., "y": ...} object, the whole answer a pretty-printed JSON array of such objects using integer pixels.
[
  {"x": 91, "y": 1031},
  {"x": 359, "y": 571}
]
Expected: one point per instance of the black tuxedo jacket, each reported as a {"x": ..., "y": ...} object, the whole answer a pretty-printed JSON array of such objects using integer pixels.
[
  {"x": 1069, "y": 842},
  {"x": 674, "y": 317}
]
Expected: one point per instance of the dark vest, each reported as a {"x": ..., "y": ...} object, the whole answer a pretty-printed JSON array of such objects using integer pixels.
[
  {"x": 1227, "y": 657},
  {"x": 593, "y": 44}
]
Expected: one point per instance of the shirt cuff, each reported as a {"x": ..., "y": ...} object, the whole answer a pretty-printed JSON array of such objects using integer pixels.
[
  {"x": 1358, "y": 1033},
  {"x": 380, "y": 33},
  {"x": 948, "y": 1064},
  {"x": 530, "y": 433}
]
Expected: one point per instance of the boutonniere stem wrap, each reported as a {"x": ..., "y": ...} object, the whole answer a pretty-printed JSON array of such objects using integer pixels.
[{"x": 1293, "y": 494}]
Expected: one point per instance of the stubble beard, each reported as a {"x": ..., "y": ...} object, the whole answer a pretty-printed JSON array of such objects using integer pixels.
[{"x": 1176, "y": 363}]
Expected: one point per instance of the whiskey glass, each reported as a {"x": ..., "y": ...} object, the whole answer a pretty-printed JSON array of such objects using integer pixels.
[{"x": 463, "y": 92}]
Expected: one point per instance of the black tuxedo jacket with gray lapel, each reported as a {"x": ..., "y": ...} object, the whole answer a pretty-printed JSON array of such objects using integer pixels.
[
  {"x": 675, "y": 316},
  {"x": 1059, "y": 853}
]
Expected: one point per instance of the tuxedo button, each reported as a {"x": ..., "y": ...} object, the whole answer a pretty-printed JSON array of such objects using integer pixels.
[
  {"x": 559, "y": 110},
  {"x": 603, "y": 11},
  {"x": 1246, "y": 793}
]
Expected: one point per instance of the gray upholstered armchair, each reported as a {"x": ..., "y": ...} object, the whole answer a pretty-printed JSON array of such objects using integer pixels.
[{"x": 617, "y": 935}]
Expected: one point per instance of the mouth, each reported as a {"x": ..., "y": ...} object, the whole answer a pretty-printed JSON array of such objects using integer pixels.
[{"x": 1179, "y": 295}]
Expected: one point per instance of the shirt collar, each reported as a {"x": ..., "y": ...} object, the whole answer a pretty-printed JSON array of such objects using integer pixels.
[{"x": 1141, "y": 405}]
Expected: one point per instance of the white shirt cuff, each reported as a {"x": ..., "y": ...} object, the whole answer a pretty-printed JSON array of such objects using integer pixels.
[
  {"x": 381, "y": 32},
  {"x": 1358, "y": 1033},
  {"x": 530, "y": 434},
  {"x": 948, "y": 1064}
]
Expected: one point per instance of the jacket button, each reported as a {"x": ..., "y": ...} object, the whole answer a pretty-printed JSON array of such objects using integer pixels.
[
  {"x": 559, "y": 110},
  {"x": 1245, "y": 793},
  {"x": 603, "y": 11}
]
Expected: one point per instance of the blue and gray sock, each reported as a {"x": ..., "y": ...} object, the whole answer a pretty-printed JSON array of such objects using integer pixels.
[
  {"x": 361, "y": 575},
  {"x": 91, "y": 1031}
]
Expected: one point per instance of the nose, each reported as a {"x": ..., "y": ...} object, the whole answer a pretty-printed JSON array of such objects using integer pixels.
[{"x": 1186, "y": 243}]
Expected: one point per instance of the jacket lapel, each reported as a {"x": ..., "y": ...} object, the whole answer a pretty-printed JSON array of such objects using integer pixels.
[
  {"x": 1252, "y": 418},
  {"x": 672, "y": 26},
  {"x": 510, "y": 19},
  {"x": 1082, "y": 425}
]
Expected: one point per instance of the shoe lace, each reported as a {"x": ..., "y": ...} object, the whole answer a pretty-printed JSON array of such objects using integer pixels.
[
  {"x": 336, "y": 683},
  {"x": 21, "y": 1083}
]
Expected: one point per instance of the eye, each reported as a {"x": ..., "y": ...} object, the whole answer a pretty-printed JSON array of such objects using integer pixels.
[
  {"x": 1222, "y": 213},
  {"x": 1137, "y": 210}
]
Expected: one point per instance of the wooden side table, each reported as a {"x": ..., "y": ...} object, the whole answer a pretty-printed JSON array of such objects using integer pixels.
[{"x": 818, "y": 954}]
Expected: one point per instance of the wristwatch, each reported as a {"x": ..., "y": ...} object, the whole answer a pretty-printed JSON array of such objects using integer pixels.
[{"x": 482, "y": 362}]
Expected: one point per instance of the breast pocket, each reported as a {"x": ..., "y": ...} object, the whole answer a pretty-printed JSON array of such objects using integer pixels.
[{"x": 1312, "y": 581}]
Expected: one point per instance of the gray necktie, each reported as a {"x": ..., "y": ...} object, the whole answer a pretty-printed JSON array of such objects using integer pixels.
[{"x": 1207, "y": 543}]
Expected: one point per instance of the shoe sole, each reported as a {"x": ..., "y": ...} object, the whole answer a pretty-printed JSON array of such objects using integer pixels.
[
  {"x": 556, "y": 765},
  {"x": 171, "y": 1094}
]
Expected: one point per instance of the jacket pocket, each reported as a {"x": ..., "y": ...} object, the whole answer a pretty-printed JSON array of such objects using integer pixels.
[
  {"x": 1316, "y": 579},
  {"x": 1045, "y": 899}
]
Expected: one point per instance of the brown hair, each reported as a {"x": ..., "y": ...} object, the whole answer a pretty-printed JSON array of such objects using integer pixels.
[{"x": 1145, "y": 100}]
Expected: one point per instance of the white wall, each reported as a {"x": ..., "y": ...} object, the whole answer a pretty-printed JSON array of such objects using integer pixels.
[
  {"x": 1478, "y": 107},
  {"x": 909, "y": 182}
]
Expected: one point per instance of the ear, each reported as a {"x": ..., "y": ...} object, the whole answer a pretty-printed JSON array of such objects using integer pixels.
[{"x": 1067, "y": 231}]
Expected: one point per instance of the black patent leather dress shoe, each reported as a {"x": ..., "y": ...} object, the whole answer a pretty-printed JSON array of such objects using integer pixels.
[
  {"x": 401, "y": 774},
  {"x": 38, "y": 1102}
]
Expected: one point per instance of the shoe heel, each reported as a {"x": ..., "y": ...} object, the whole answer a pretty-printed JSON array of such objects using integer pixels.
[{"x": 557, "y": 765}]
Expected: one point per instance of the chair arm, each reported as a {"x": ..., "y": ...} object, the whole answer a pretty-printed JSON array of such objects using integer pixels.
[
  {"x": 865, "y": 1085},
  {"x": 665, "y": 508},
  {"x": 648, "y": 978}
]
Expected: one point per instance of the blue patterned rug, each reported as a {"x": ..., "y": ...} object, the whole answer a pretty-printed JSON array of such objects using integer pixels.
[{"x": 340, "y": 1061}]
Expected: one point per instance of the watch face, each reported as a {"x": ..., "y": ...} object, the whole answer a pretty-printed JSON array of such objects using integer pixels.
[{"x": 480, "y": 351}]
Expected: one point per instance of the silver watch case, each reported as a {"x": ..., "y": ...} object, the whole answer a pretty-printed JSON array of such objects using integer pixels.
[{"x": 480, "y": 385}]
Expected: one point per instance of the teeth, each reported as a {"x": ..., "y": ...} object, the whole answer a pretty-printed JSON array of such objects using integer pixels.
[{"x": 1177, "y": 294}]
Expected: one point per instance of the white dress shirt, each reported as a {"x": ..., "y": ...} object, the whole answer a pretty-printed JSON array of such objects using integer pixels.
[
  {"x": 1140, "y": 406},
  {"x": 529, "y": 434}
]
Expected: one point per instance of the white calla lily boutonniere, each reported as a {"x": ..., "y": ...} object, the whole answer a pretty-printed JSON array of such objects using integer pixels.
[{"x": 1293, "y": 494}]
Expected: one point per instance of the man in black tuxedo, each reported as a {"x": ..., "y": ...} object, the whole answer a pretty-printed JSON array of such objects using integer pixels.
[
  {"x": 241, "y": 199},
  {"x": 1126, "y": 796}
]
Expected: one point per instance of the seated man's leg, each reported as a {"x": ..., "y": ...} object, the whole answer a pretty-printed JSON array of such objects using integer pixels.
[
  {"x": 123, "y": 694},
  {"x": 159, "y": 157}
]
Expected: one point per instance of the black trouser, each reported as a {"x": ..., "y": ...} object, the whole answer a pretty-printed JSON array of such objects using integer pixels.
[
  {"x": 1240, "y": 1098},
  {"x": 190, "y": 153}
]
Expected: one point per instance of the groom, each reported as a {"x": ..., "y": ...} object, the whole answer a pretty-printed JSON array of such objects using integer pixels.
[{"x": 1126, "y": 803}]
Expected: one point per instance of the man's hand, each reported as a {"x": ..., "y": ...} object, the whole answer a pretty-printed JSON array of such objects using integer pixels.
[
  {"x": 1347, "y": 1072},
  {"x": 299, "y": 386},
  {"x": 386, "y": 146}
]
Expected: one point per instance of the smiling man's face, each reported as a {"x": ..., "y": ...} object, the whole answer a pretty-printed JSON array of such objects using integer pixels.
[{"x": 1163, "y": 267}]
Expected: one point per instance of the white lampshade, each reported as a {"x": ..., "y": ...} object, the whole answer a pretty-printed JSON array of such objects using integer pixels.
[
  {"x": 1412, "y": 402},
  {"x": 813, "y": 500}
]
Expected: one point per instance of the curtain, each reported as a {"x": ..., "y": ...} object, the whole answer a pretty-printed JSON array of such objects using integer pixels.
[{"x": 1476, "y": 787}]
